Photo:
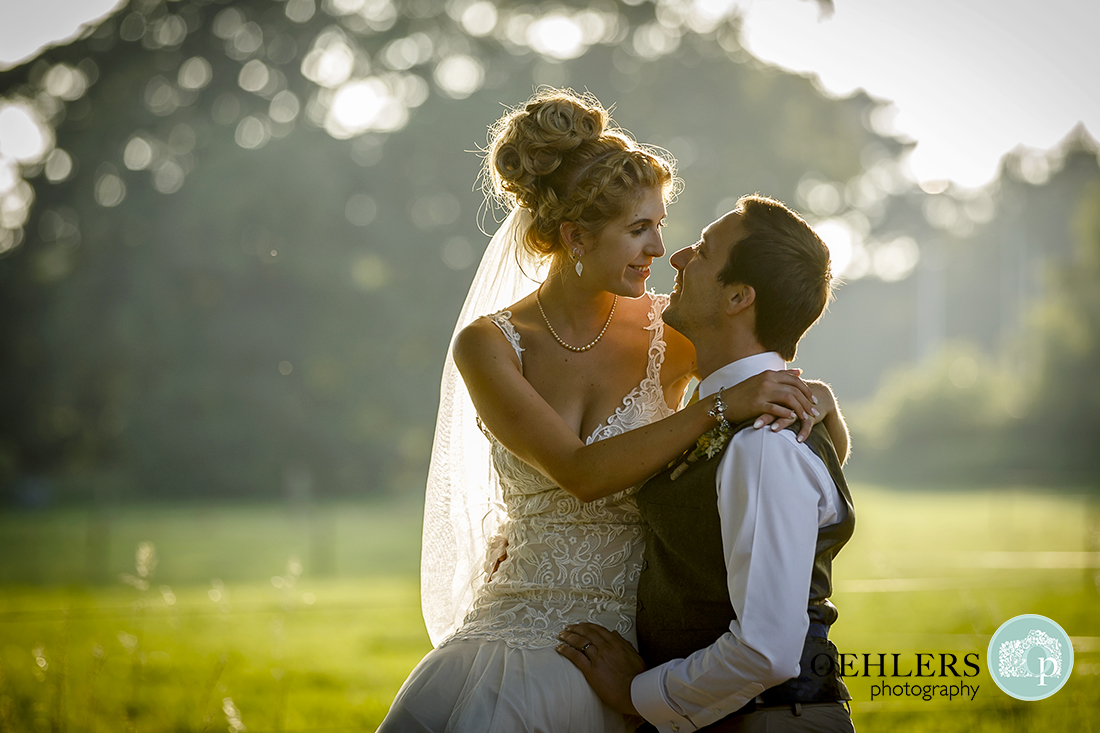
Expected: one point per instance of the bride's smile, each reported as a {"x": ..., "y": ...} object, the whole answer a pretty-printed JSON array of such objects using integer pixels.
[{"x": 619, "y": 258}]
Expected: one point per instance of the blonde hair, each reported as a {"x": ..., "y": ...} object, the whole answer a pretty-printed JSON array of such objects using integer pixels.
[{"x": 561, "y": 157}]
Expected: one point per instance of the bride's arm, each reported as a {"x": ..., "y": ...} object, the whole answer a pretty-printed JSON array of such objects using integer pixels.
[
  {"x": 834, "y": 421},
  {"x": 525, "y": 424},
  {"x": 680, "y": 363},
  {"x": 829, "y": 409}
]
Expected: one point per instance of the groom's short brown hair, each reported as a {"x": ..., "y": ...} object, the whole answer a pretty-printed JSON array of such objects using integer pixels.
[{"x": 787, "y": 265}]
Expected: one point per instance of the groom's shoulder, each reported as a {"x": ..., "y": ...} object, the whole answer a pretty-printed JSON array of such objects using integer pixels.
[
  {"x": 747, "y": 435},
  {"x": 776, "y": 445}
]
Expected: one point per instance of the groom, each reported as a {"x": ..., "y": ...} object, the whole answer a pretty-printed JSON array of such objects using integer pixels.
[{"x": 733, "y": 610}]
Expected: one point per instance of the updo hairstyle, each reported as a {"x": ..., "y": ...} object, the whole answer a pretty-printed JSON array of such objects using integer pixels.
[{"x": 562, "y": 158}]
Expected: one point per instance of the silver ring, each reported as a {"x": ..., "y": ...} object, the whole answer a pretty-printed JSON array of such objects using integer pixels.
[{"x": 586, "y": 646}]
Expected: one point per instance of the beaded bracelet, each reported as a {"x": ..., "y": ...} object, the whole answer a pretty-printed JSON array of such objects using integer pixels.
[{"x": 719, "y": 413}]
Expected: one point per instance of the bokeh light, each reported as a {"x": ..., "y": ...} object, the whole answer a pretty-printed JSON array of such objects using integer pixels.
[
  {"x": 132, "y": 27},
  {"x": 404, "y": 53},
  {"x": 654, "y": 40},
  {"x": 24, "y": 134},
  {"x": 556, "y": 36},
  {"x": 457, "y": 253},
  {"x": 227, "y": 22},
  {"x": 247, "y": 40},
  {"x": 459, "y": 75},
  {"x": 167, "y": 32},
  {"x": 963, "y": 371},
  {"x": 362, "y": 105},
  {"x": 841, "y": 240},
  {"x": 168, "y": 176},
  {"x": 254, "y": 76},
  {"x": 252, "y": 133},
  {"x": 61, "y": 224},
  {"x": 15, "y": 205},
  {"x": 284, "y": 107},
  {"x": 226, "y": 109},
  {"x": 896, "y": 260},
  {"x": 181, "y": 139},
  {"x": 195, "y": 73},
  {"x": 479, "y": 18},
  {"x": 411, "y": 89},
  {"x": 704, "y": 16},
  {"x": 109, "y": 190},
  {"x": 161, "y": 97},
  {"x": 821, "y": 197},
  {"x": 433, "y": 212},
  {"x": 370, "y": 272},
  {"x": 65, "y": 82},
  {"x": 300, "y": 11},
  {"x": 330, "y": 62},
  {"x": 7, "y": 240},
  {"x": 59, "y": 165},
  {"x": 360, "y": 210},
  {"x": 9, "y": 174},
  {"x": 138, "y": 153}
]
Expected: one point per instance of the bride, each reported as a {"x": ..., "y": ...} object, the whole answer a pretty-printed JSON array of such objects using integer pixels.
[{"x": 569, "y": 394}]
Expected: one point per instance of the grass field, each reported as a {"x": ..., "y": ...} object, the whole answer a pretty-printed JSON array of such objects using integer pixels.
[{"x": 274, "y": 619}]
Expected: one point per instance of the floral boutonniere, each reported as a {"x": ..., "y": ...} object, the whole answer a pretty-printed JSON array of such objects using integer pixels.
[{"x": 710, "y": 444}]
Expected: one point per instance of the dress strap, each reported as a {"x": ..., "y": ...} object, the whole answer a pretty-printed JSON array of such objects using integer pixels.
[
  {"x": 503, "y": 321},
  {"x": 656, "y": 330}
]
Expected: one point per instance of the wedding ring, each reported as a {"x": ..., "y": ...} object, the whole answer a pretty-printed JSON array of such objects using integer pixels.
[{"x": 586, "y": 646}]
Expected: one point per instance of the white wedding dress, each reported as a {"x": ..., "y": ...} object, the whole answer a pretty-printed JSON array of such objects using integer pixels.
[{"x": 567, "y": 562}]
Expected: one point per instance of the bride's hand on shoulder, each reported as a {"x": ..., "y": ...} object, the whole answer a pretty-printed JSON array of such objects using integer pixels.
[
  {"x": 826, "y": 409},
  {"x": 773, "y": 397}
]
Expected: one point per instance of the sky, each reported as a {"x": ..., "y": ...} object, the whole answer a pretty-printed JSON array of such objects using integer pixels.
[{"x": 970, "y": 79}]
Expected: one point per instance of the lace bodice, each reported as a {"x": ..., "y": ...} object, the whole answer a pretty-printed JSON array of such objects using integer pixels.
[{"x": 567, "y": 561}]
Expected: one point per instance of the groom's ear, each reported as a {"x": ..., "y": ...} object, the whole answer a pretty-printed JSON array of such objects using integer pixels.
[{"x": 739, "y": 296}]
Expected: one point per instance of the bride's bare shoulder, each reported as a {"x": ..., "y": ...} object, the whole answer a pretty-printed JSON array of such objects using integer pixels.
[
  {"x": 482, "y": 342},
  {"x": 480, "y": 334}
]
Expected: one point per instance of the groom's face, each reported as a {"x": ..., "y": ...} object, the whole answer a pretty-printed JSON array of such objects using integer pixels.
[{"x": 696, "y": 301}]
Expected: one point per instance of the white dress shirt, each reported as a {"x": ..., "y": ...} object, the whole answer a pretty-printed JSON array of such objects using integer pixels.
[{"x": 773, "y": 494}]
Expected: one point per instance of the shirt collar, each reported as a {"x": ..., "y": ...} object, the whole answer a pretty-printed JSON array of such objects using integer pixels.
[{"x": 740, "y": 370}]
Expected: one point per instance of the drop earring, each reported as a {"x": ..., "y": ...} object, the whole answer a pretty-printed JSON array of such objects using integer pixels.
[{"x": 580, "y": 267}]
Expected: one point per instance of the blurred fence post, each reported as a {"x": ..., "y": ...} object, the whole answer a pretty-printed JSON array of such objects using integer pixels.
[
  {"x": 97, "y": 547},
  {"x": 1092, "y": 539},
  {"x": 322, "y": 541},
  {"x": 320, "y": 524}
]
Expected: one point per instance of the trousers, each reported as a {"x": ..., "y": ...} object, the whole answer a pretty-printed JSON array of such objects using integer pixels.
[{"x": 814, "y": 717}]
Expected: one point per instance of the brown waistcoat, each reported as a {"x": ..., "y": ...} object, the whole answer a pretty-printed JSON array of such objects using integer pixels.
[{"x": 683, "y": 598}]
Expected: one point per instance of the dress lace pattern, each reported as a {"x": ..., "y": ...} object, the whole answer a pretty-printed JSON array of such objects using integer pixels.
[{"x": 567, "y": 561}]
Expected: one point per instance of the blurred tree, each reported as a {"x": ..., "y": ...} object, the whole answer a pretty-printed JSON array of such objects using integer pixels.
[
  {"x": 233, "y": 269},
  {"x": 1060, "y": 432},
  {"x": 1011, "y": 400}
]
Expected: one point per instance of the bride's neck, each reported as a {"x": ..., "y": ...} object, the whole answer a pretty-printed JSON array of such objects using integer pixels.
[{"x": 568, "y": 300}]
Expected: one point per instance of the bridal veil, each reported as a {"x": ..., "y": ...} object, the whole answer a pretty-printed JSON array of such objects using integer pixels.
[{"x": 463, "y": 507}]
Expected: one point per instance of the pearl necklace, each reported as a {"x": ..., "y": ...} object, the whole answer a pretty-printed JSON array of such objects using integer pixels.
[{"x": 558, "y": 338}]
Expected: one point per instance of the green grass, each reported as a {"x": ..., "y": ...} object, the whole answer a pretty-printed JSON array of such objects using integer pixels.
[
  {"x": 228, "y": 615},
  {"x": 939, "y": 572}
]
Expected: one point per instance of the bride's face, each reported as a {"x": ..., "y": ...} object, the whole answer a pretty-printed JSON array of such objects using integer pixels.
[{"x": 618, "y": 258}]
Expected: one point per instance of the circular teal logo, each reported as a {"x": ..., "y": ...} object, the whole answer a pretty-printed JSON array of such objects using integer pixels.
[{"x": 1030, "y": 657}]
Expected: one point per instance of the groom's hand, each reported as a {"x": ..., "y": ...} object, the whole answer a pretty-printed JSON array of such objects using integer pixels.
[{"x": 608, "y": 662}]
